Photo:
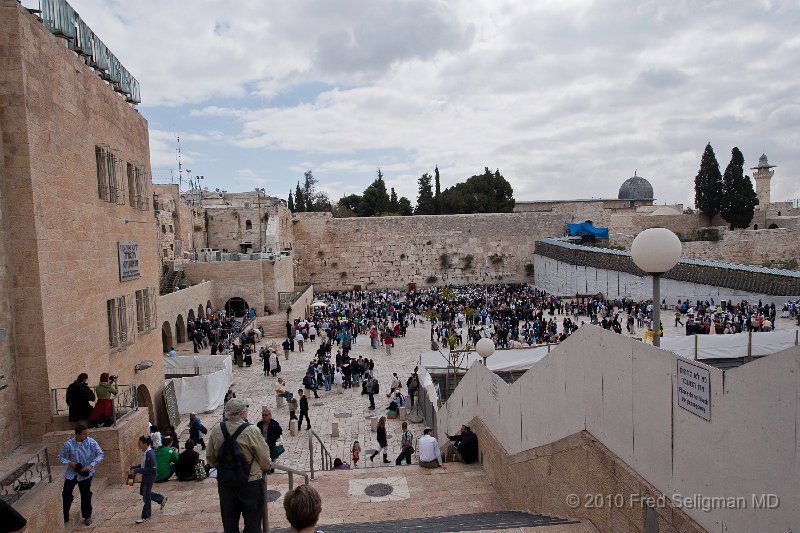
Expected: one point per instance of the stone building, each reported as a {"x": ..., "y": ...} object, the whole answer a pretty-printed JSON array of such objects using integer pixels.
[
  {"x": 78, "y": 264},
  {"x": 763, "y": 176}
]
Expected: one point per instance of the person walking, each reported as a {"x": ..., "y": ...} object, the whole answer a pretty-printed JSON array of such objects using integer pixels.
[
  {"x": 232, "y": 445},
  {"x": 286, "y": 345},
  {"x": 79, "y": 394},
  {"x": 303, "y": 410},
  {"x": 338, "y": 380},
  {"x": 372, "y": 389},
  {"x": 147, "y": 469},
  {"x": 406, "y": 443},
  {"x": 383, "y": 445},
  {"x": 271, "y": 430},
  {"x": 81, "y": 454}
]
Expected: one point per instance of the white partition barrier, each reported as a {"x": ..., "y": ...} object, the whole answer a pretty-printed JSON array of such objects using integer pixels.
[
  {"x": 730, "y": 346},
  {"x": 203, "y": 392}
]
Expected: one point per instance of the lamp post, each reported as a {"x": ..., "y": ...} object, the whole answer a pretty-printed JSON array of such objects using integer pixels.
[
  {"x": 485, "y": 348},
  {"x": 656, "y": 250}
]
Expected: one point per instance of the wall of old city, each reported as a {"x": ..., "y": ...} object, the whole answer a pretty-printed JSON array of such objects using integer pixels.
[
  {"x": 257, "y": 282},
  {"x": 62, "y": 238},
  {"x": 750, "y": 247},
  {"x": 338, "y": 253}
]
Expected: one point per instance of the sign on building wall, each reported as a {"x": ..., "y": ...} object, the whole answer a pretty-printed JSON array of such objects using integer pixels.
[
  {"x": 694, "y": 389},
  {"x": 129, "y": 267}
]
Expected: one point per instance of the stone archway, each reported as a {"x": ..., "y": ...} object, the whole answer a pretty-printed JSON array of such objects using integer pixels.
[
  {"x": 201, "y": 313},
  {"x": 180, "y": 329},
  {"x": 144, "y": 400},
  {"x": 236, "y": 306},
  {"x": 190, "y": 317},
  {"x": 167, "y": 342}
]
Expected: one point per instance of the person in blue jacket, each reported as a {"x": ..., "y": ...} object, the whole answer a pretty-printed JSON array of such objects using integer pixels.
[{"x": 147, "y": 469}]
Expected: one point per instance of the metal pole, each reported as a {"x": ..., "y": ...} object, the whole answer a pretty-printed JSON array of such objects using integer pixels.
[
  {"x": 310, "y": 454},
  {"x": 265, "y": 515},
  {"x": 656, "y": 309}
]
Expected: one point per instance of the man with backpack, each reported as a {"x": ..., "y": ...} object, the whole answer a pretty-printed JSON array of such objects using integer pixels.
[{"x": 239, "y": 453}]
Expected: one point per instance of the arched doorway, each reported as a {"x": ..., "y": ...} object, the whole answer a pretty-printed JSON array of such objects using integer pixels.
[
  {"x": 166, "y": 336},
  {"x": 236, "y": 307},
  {"x": 144, "y": 400},
  {"x": 190, "y": 317},
  {"x": 201, "y": 312},
  {"x": 180, "y": 329},
  {"x": 208, "y": 306}
]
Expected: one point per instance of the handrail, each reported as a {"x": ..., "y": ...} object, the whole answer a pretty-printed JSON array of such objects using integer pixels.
[
  {"x": 19, "y": 481},
  {"x": 291, "y": 471},
  {"x": 327, "y": 463},
  {"x": 238, "y": 327}
]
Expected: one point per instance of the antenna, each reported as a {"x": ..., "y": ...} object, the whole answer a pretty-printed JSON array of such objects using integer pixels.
[{"x": 180, "y": 168}]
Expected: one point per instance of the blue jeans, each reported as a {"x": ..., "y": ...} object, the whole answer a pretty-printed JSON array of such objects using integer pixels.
[
  {"x": 411, "y": 395},
  {"x": 146, "y": 490},
  {"x": 328, "y": 382}
]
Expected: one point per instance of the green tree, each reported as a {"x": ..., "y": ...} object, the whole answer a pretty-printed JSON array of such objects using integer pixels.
[
  {"x": 347, "y": 206},
  {"x": 375, "y": 200},
  {"x": 708, "y": 184},
  {"x": 394, "y": 204},
  {"x": 483, "y": 193},
  {"x": 309, "y": 189},
  {"x": 739, "y": 200},
  {"x": 299, "y": 199},
  {"x": 425, "y": 201},
  {"x": 405, "y": 207},
  {"x": 437, "y": 199},
  {"x": 291, "y": 201}
]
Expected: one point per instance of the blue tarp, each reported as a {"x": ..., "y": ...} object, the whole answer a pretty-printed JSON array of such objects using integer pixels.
[{"x": 585, "y": 228}]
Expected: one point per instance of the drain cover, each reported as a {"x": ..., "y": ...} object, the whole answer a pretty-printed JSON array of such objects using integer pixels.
[
  {"x": 273, "y": 495},
  {"x": 317, "y": 404},
  {"x": 378, "y": 489},
  {"x": 342, "y": 415}
]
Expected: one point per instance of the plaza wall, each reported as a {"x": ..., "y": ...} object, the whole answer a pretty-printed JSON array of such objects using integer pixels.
[
  {"x": 180, "y": 306},
  {"x": 62, "y": 239},
  {"x": 623, "y": 393},
  {"x": 748, "y": 247},
  {"x": 338, "y": 253},
  {"x": 257, "y": 281}
]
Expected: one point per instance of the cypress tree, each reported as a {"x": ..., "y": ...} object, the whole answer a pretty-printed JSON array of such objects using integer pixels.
[
  {"x": 299, "y": 199},
  {"x": 708, "y": 184},
  {"x": 437, "y": 198},
  {"x": 425, "y": 201},
  {"x": 291, "y": 202},
  {"x": 739, "y": 199}
]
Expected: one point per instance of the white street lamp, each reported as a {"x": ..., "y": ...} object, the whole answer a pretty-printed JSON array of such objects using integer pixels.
[
  {"x": 485, "y": 348},
  {"x": 656, "y": 250}
]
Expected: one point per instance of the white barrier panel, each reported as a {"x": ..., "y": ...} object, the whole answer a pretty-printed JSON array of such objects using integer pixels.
[
  {"x": 730, "y": 346},
  {"x": 501, "y": 360},
  {"x": 200, "y": 394},
  {"x": 189, "y": 364}
]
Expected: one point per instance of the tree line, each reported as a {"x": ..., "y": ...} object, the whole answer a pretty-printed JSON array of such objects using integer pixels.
[
  {"x": 731, "y": 195},
  {"x": 489, "y": 192}
]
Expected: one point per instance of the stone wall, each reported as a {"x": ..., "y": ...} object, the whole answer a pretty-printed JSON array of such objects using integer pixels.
[
  {"x": 62, "y": 238},
  {"x": 257, "y": 282},
  {"x": 540, "y": 480},
  {"x": 181, "y": 306},
  {"x": 338, "y": 253},
  {"x": 749, "y": 247}
]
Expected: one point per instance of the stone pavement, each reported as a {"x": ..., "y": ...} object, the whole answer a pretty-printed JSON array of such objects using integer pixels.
[{"x": 194, "y": 505}]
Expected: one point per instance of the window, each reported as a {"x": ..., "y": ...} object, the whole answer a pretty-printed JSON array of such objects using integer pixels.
[
  {"x": 248, "y": 225},
  {"x": 163, "y": 228},
  {"x": 145, "y": 310},
  {"x": 117, "y": 323},
  {"x": 110, "y": 170},
  {"x": 171, "y": 230},
  {"x": 131, "y": 173},
  {"x": 247, "y": 205}
]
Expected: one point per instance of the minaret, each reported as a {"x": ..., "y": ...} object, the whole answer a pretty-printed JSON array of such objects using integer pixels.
[{"x": 763, "y": 174}]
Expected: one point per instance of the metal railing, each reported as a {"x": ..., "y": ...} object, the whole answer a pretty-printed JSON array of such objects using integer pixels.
[
  {"x": 289, "y": 470},
  {"x": 287, "y": 299},
  {"x": 238, "y": 328},
  {"x": 124, "y": 402},
  {"x": 21, "y": 480},
  {"x": 327, "y": 458}
]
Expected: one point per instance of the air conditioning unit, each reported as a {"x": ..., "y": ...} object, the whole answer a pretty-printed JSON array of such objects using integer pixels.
[{"x": 234, "y": 257}]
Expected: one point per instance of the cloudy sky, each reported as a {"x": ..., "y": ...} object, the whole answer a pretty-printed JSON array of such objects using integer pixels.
[{"x": 566, "y": 98}]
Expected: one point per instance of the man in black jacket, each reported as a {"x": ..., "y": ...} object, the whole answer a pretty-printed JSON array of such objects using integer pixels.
[
  {"x": 463, "y": 447},
  {"x": 303, "y": 410},
  {"x": 79, "y": 394},
  {"x": 271, "y": 430}
]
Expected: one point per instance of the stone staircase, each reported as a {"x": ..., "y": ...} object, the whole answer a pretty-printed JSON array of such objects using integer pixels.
[{"x": 456, "y": 498}]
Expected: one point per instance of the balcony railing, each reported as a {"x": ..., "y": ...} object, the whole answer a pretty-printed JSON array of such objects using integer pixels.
[
  {"x": 124, "y": 402},
  {"x": 25, "y": 476}
]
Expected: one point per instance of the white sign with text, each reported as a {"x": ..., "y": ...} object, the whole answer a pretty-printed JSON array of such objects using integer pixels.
[
  {"x": 129, "y": 268},
  {"x": 694, "y": 389}
]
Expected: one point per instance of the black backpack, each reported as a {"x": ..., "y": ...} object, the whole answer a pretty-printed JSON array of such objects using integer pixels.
[{"x": 232, "y": 468}]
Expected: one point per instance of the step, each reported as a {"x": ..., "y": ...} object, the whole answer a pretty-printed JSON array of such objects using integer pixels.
[{"x": 454, "y": 523}]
